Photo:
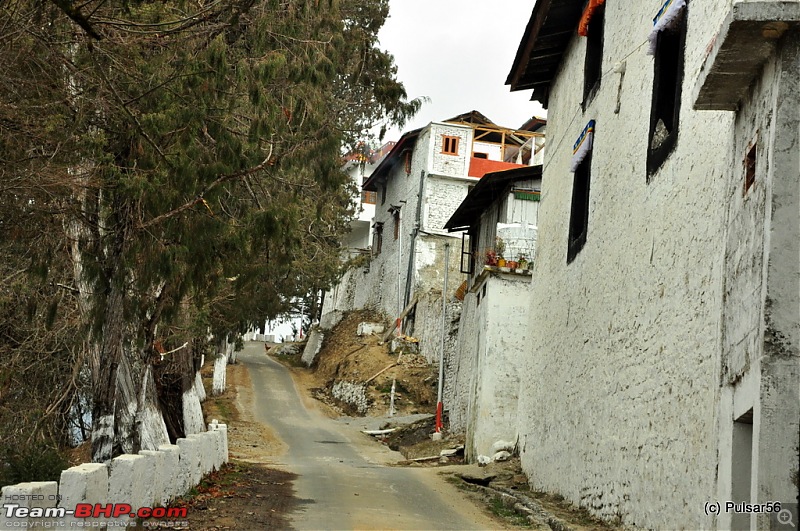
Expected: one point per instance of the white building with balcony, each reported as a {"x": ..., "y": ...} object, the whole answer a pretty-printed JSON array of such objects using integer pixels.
[
  {"x": 418, "y": 186},
  {"x": 498, "y": 219}
]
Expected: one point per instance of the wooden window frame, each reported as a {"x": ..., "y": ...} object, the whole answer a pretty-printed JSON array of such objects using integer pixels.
[
  {"x": 579, "y": 210},
  {"x": 377, "y": 238},
  {"x": 668, "y": 71},
  {"x": 593, "y": 60},
  {"x": 750, "y": 164},
  {"x": 450, "y": 145}
]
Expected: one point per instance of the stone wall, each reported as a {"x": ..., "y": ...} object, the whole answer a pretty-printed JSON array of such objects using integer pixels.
[
  {"x": 445, "y": 164},
  {"x": 148, "y": 479},
  {"x": 618, "y": 410}
]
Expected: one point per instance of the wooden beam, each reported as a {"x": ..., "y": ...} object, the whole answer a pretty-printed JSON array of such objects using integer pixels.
[
  {"x": 400, "y": 317},
  {"x": 381, "y": 372}
]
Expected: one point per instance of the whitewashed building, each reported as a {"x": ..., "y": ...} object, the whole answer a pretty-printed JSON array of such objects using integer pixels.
[
  {"x": 498, "y": 219},
  {"x": 359, "y": 166},
  {"x": 663, "y": 372},
  {"x": 418, "y": 186}
]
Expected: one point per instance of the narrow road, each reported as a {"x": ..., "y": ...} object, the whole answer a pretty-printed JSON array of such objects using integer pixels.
[{"x": 342, "y": 482}]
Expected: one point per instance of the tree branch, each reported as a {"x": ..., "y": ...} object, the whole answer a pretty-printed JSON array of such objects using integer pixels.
[{"x": 74, "y": 13}]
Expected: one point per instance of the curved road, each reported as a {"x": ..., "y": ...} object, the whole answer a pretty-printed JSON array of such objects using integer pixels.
[{"x": 342, "y": 483}]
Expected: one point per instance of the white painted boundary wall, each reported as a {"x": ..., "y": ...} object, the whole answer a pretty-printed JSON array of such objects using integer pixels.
[{"x": 147, "y": 479}]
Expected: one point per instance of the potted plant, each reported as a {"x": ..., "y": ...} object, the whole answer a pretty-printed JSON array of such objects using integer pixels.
[
  {"x": 523, "y": 261},
  {"x": 491, "y": 257},
  {"x": 500, "y": 248}
]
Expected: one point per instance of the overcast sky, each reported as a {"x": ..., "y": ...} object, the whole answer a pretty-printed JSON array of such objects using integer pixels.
[{"x": 458, "y": 53}]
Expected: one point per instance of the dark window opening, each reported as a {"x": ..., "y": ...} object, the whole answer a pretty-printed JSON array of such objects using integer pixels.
[
  {"x": 408, "y": 162},
  {"x": 579, "y": 215},
  {"x": 468, "y": 252},
  {"x": 383, "y": 193},
  {"x": 450, "y": 145},
  {"x": 377, "y": 239},
  {"x": 666, "y": 104},
  {"x": 479, "y": 155},
  {"x": 750, "y": 169},
  {"x": 396, "y": 218},
  {"x": 593, "y": 63}
]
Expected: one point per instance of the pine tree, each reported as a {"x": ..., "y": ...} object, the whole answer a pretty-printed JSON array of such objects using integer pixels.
[{"x": 191, "y": 154}]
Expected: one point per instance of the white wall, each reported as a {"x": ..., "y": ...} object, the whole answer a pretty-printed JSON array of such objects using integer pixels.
[
  {"x": 618, "y": 412},
  {"x": 484, "y": 376},
  {"x": 493, "y": 151},
  {"x": 148, "y": 479}
]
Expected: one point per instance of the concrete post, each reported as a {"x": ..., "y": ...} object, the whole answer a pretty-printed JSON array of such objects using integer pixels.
[
  {"x": 39, "y": 494},
  {"x": 189, "y": 462},
  {"x": 172, "y": 470},
  {"x": 154, "y": 475},
  {"x": 86, "y": 483}
]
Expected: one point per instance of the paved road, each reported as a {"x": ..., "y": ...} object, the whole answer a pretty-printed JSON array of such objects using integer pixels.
[{"x": 342, "y": 483}]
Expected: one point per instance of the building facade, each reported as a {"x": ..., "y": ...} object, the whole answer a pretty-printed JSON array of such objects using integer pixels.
[
  {"x": 663, "y": 371},
  {"x": 482, "y": 381},
  {"x": 359, "y": 166},
  {"x": 418, "y": 186}
]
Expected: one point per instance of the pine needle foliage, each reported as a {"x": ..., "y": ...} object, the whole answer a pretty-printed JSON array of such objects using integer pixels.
[{"x": 186, "y": 156}]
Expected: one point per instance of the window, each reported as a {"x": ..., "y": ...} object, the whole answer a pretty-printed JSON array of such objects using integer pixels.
[
  {"x": 396, "y": 218},
  {"x": 593, "y": 63},
  {"x": 368, "y": 198},
  {"x": 750, "y": 169},
  {"x": 449, "y": 145},
  {"x": 579, "y": 215},
  {"x": 377, "y": 239},
  {"x": 667, "y": 81},
  {"x": 383, "y": 193},
  {"x": 479, "y": 155}
]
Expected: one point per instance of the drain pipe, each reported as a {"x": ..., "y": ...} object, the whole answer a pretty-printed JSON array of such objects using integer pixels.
[
  {"x": 439, "y": 405},
  {"x": 400, "y": 305},
  {"x": 413, "y": 248}
]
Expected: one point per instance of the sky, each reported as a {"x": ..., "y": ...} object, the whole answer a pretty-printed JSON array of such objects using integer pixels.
[{"x": 458, "y": 53}]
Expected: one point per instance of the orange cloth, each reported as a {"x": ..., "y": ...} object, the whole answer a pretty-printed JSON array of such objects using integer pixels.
[{"x": 583, "y": 26}]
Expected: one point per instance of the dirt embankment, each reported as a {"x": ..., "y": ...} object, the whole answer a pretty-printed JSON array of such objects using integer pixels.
[{"x": 346, "y": 358}]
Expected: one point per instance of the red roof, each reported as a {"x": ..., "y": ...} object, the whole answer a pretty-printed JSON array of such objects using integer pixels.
[{"x": 480, "y": 167}]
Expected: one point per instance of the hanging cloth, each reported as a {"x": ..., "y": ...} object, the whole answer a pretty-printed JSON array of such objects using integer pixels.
[
  {"x": 591, "y": 7},
  {"x": 582, "y": 146},
  {"x": 667, "y": 16}
]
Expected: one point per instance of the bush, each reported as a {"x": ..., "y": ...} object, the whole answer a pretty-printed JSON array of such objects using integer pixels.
[{"x": 39, "y": 462}]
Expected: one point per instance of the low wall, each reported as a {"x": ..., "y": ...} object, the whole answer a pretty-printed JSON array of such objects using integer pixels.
[{"x": 147, "y": 479}]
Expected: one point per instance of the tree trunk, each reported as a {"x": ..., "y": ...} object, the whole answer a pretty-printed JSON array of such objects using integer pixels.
[{"x": 105, "y": 386}]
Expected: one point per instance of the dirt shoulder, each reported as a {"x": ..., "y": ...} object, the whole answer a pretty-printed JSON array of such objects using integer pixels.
[{"x": 249, "y": 492}]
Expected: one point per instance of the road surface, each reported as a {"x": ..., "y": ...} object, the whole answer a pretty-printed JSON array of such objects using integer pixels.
[{"x": 343, "y": 480}]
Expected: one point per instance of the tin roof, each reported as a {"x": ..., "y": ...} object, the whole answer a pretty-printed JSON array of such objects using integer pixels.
[
  {"x": 485, "y": 192},
  {"x": 549, "y": 31}
]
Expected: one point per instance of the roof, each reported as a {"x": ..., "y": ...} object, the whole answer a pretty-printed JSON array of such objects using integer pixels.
[
  {"x": 472, "y": 117},
  {"x": 485, "y": 192},
  {"x": 549, "y": 31},
  {"x": 381, "y": 173},
  {"x": 534, "y": 124},
  {"x": 485, "y": 130}
]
